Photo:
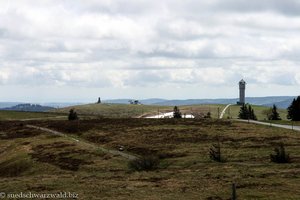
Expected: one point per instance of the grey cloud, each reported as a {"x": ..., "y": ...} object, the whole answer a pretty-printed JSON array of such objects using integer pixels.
[
  {"x": 146, "y": 78},
  {"x": 205, "y": 53},
  {"x": 286, "y": 7}
]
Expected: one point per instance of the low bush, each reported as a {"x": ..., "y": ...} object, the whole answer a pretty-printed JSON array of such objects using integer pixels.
[
  {"x": 145, "y": 163},
  {"x": 13, "y": 168},
  {"x": 280, "y": 155},
  {"x": 215, "y": 153},
  {"x": 72, "y": 115}
]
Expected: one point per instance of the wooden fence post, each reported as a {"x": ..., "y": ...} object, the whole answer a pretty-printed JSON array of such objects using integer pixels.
[{"x": 233, "y": 195}]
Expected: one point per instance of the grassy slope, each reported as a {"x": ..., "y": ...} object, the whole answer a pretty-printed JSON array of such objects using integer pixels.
[
  {"x": 186, "y": 172},
  {"x": 123, "y": 110},
  {"x": 113, "y": 110}
]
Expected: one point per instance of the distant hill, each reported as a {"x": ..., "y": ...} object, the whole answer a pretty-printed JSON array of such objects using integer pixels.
[
  {"x": 151, "y": 101},
  {"x": 281, "y": 104},
  {"x": 269, "y": 101},
  {"x": 29, "y": 108},
  {"x": 61, "y": 105},
  {"x": 280, "y": 101},
  {"x": 50, "y": 104},
  {"x": 195, "y": 101},
  {"x": 8, "y": 104}
]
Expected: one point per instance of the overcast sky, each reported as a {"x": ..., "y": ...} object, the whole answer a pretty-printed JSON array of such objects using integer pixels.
[{"x": 77, "y": 50}]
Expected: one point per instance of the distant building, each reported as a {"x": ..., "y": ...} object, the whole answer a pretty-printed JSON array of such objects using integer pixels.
[
  {"x": 99, "y": 100},
  {"x": 135, "y": 102},
  {"x": 242, "y": 86}
]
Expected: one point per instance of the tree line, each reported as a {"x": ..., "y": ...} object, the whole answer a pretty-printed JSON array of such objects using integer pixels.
[{"x": 247, "y": 112}]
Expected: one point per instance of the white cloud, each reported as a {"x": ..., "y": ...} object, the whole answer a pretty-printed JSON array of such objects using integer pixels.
[
  {"x": 140, "y": 43},
  {"x": 4, "y": 76}
]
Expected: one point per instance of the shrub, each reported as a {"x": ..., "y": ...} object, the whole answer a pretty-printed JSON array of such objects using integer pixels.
[
  {"x": 145, "y": 163},
  {"x": 280, "y": 156},
  {"x": 215, "y": 153},
  {"x": 13, "y": 168},
  {"x": 72, "y": 115},
  {"x": 208, "y": 115}
]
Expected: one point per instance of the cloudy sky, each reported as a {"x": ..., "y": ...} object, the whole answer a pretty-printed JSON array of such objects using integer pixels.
[{"x": 77, "y": 50}]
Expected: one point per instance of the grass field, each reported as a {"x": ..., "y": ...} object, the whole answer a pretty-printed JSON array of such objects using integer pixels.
[{"x": 38, "y": 162}]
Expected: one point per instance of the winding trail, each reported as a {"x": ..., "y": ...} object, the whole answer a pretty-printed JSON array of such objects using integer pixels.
[
  {"x": 85, "y": 143},
  {"x": 224, "y": 110}
]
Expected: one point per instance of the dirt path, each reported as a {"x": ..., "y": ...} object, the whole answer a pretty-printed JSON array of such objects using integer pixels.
[
  {"x": 88, "y": 144},
  {"x": 224, "y": 110}
]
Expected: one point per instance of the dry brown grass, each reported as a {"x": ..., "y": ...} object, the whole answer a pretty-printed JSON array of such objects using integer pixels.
[{"x": 185, "y": 170}]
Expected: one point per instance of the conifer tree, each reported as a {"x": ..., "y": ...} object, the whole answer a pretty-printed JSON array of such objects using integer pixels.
[
  {"x": 246, "y": 112},
  {"x": 274, "y": 113},
  {"x": 251, "y": 113},
  {"x": 177, "y": 113},
  {"x": 294, "y": 110}
]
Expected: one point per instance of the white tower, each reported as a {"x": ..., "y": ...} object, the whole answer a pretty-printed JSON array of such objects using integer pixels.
[{"x": 242, "y": 85}]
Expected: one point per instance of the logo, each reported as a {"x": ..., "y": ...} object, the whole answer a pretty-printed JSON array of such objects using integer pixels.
[{"x": 2, "y": 195}]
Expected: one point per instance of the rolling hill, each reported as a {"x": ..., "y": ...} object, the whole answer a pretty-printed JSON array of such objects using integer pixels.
[
  {"x": 29, "y": 108},
  {"x": 279, "y": 101},
  {"x": 127, "y": 110}
]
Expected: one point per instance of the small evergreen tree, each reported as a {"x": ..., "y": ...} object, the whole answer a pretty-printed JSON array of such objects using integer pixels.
[
  {"x": 274, "y": 115},
  {"x": 294, "y": 110},
  {"x": 176, "y": 113},
  {"x": 72, "y": 115},
  {"x": 251, "y": 113},
  {"x": 246, "y": 112}
]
